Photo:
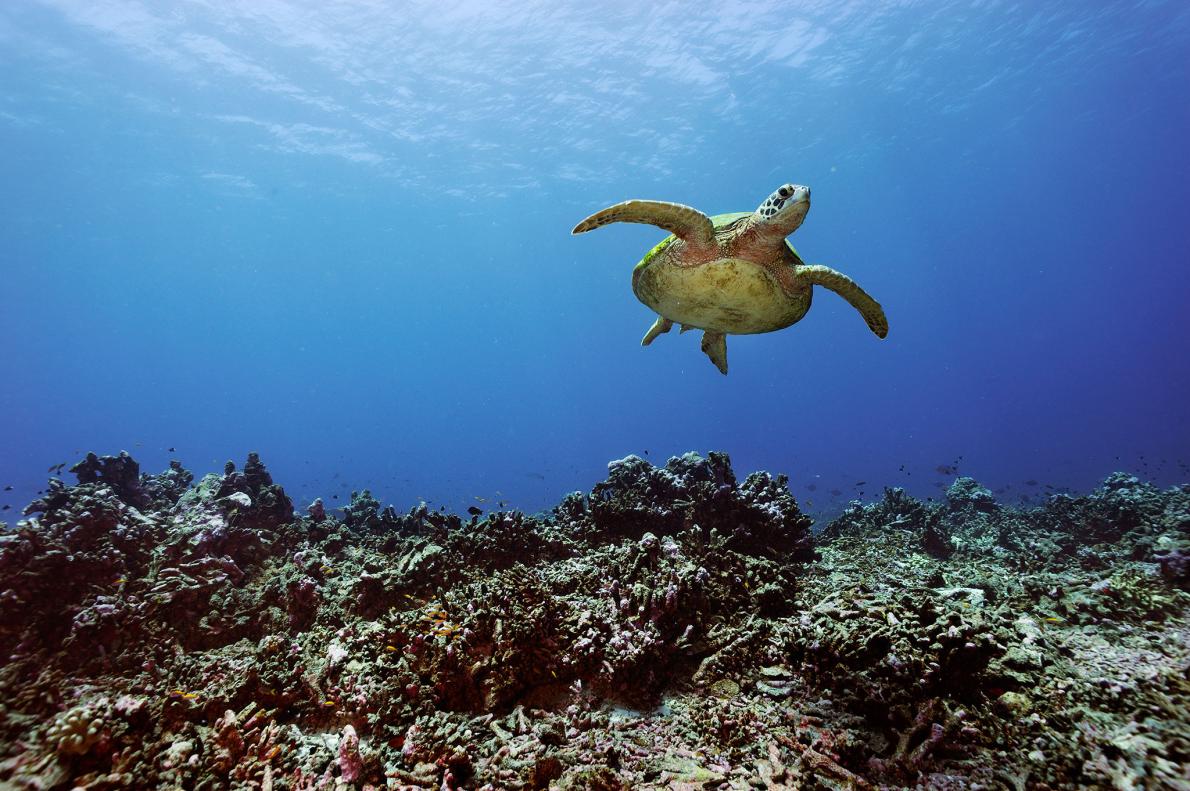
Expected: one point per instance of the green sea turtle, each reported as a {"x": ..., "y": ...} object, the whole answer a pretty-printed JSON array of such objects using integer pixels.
[{"x": 731, "y": 274}]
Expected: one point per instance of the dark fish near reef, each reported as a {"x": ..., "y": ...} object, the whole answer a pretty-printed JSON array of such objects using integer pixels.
[
  {"x": 5, "y": 508},
  {"x": 860, "y": 483},
  {"x": 474, "y": 511},
  {"x": 8, "y": 488},
  {"x": 171, "y": 450}
]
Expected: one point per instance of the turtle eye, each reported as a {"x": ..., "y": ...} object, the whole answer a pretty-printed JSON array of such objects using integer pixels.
[{"x": 784, "y": 192}]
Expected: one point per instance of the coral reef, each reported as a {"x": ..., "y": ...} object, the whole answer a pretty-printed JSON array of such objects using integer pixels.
[{"x": 675, "y": 628}]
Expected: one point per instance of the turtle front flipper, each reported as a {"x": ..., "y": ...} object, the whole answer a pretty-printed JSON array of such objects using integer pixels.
[
  {"x": 849, "y": 290},
  {"x": 715, "y": 346},
  {"x": 684, "y": 222},
  {"x": 661, "y": 325}
]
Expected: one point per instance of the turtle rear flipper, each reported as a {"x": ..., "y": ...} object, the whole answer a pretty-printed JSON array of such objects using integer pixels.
[
  {"x": 715, "y": 346},
  {"x": 688, "y": 224},
  {"x": 849, "y": 290},
  {"x": 661, "y": 325}
]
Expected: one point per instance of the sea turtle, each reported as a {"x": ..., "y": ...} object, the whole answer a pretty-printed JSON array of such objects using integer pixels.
[{"x": 732, "y": 273}]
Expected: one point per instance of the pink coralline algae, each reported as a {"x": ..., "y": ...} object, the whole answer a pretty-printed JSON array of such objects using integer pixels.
[{"x": 351, "y": 766}]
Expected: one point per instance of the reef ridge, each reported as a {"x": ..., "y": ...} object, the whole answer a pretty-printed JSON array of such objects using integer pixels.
[{"x": 674, "y": 628}]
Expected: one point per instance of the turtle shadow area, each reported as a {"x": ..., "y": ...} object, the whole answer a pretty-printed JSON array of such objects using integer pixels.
[{"x": 676, "y": 627}]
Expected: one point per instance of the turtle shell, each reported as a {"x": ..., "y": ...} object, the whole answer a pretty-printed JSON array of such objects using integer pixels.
[{"x": 730, "y": 295}]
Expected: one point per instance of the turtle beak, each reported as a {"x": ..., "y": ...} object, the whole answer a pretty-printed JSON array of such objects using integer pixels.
[{"x": 800, "y": 194}]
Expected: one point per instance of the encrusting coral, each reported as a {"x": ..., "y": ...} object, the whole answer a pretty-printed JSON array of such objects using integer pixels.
[{"x": 676, "y": 628}]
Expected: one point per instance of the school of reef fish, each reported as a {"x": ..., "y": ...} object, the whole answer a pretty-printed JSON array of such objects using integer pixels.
[{"x": 675, "y": 628}]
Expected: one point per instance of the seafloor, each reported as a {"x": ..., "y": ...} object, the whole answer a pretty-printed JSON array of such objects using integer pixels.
[{"x": 675, "y": 628}]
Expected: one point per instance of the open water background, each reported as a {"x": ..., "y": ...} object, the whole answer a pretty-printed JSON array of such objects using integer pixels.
[{"x": 338, "y": 234}]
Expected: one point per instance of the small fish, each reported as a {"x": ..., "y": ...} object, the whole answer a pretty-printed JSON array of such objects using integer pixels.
[
  {"x": 326, "y": 570},
  {"x": 5, "y": 508},
  {"x": 171, "y": 450},
  {"x": 390, "y": 648},
  {"x": 860, "y": 483},
  {"x": 8, "y": 488},
  {"x": 335, "y": 496},
  {"x": 1054, "y": 620},
  {"x": 481, "y": 499},
  {"x": 501, "y": 503},
  {"x": 809, "y": 503},
  {"x": 474, "y": 511},
  {"x": 273, "y": 753},
  {"x": 329, "y": 703},
  {"x": 120, "y": 581}
]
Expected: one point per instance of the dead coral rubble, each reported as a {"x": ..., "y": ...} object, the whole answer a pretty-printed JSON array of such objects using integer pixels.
[{"x": 674, "y": 629}]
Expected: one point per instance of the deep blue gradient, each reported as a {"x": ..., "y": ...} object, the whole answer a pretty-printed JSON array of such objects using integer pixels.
[{"x": 338, "y": 234}]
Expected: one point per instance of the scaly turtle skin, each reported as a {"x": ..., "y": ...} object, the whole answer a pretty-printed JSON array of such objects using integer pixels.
[{"x": 731, "y": 274}]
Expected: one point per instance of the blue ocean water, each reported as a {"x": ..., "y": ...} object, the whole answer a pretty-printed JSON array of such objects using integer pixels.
[{"x": 338, "y": 234}]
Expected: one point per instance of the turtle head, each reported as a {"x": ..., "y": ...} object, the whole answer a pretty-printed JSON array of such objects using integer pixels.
[{"x": 785, "y": 209}]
